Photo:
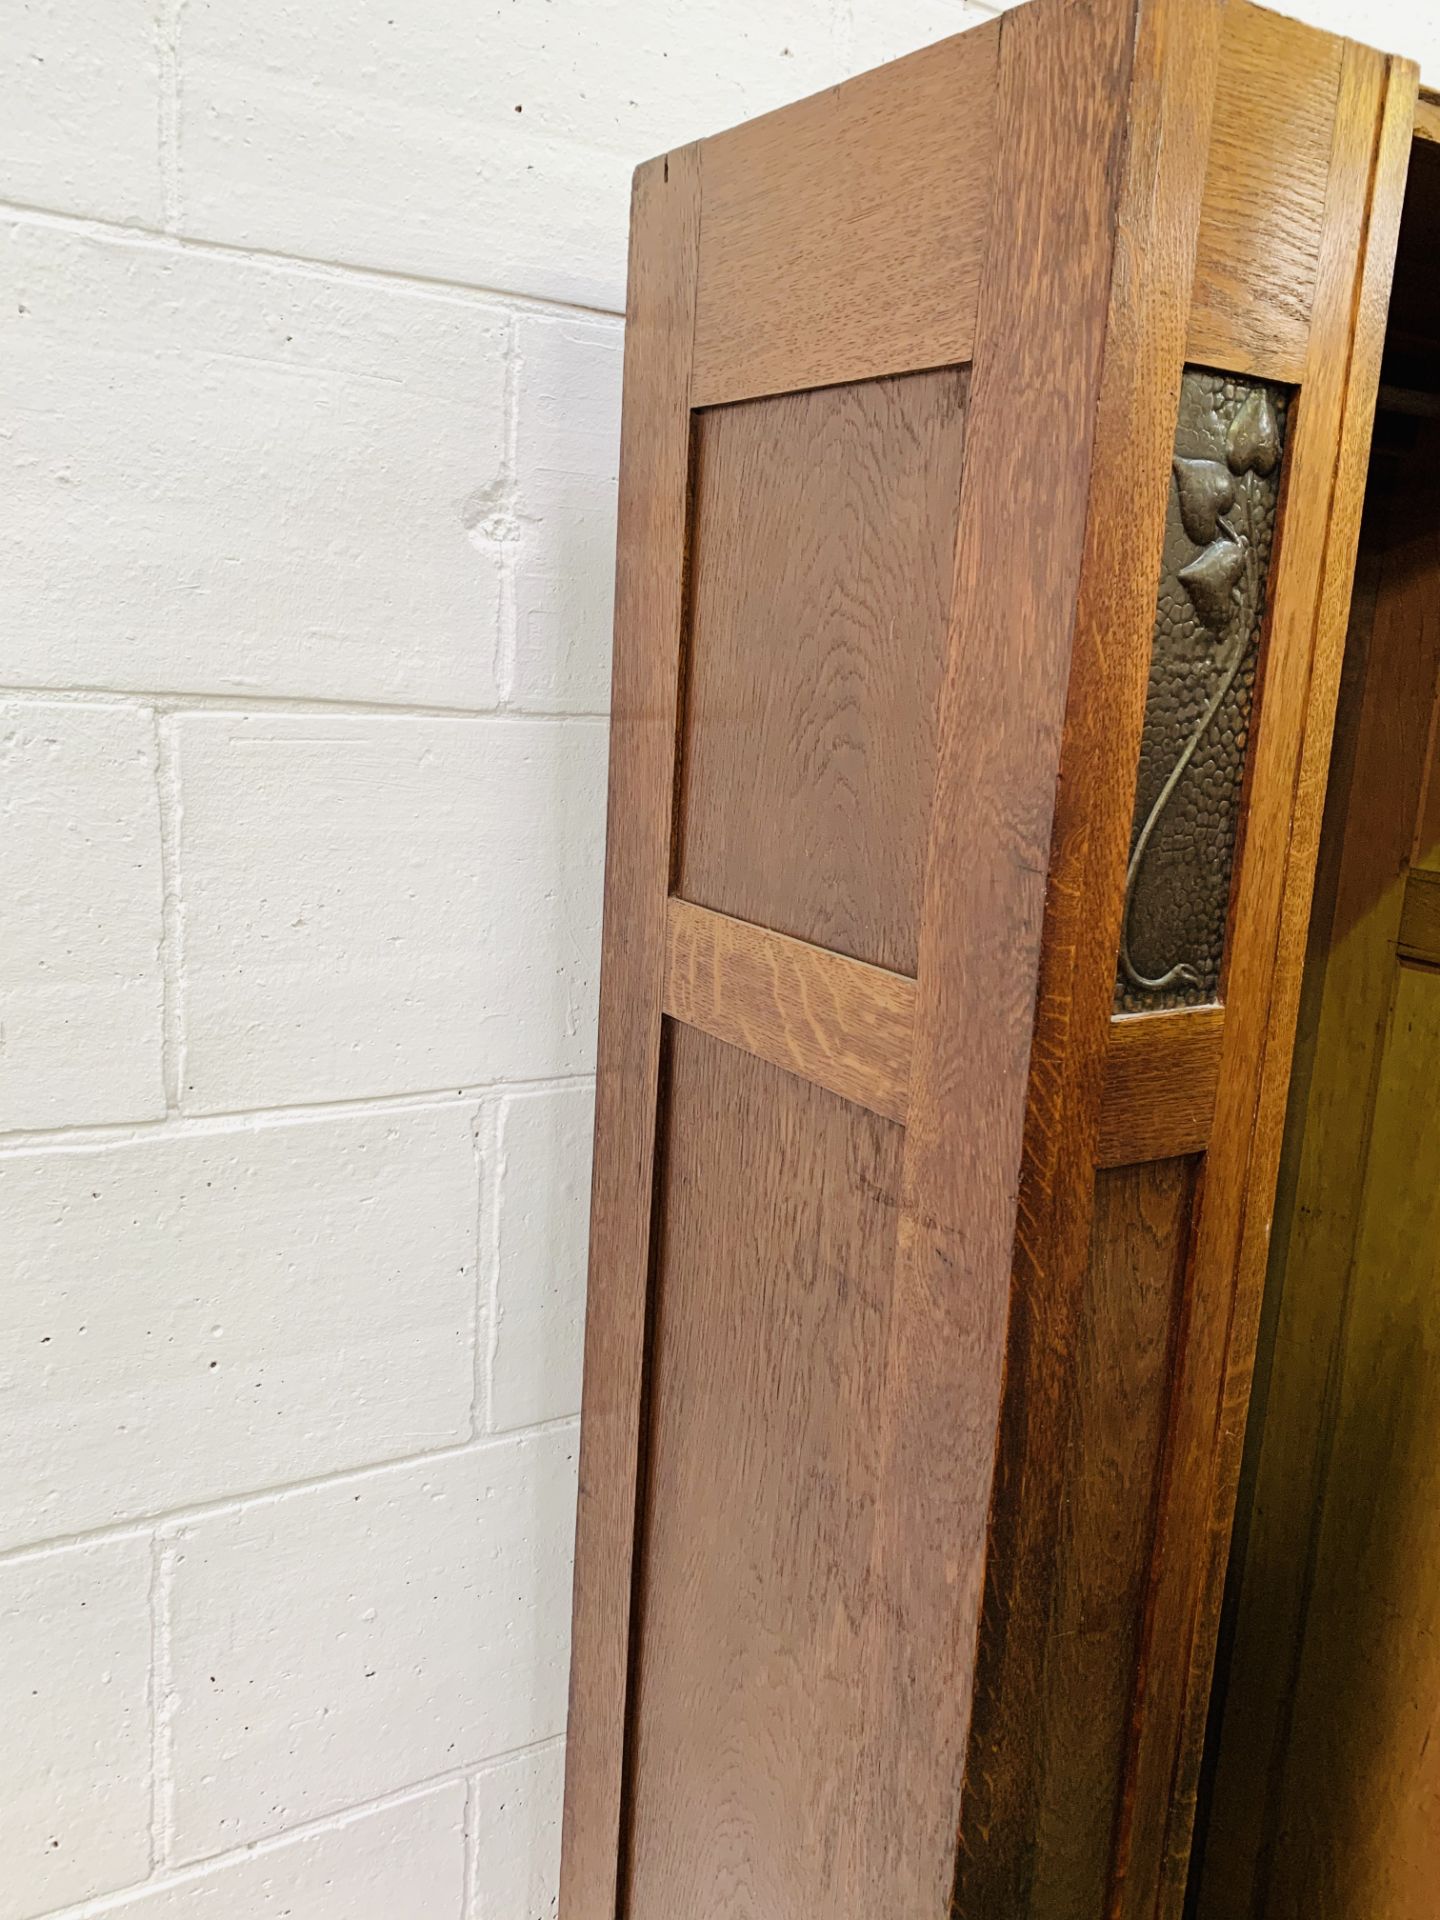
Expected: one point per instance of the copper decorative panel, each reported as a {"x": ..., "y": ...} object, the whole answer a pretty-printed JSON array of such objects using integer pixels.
[{"x": 1219, "y": 530}]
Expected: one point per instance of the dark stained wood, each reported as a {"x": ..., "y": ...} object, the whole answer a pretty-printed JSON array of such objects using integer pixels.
[
  {"x": 1412, "y": 327},
  {"x": 752, "y": 1721},
  {"x": 1063, "y": 88},
  {"x": 824, "y": 531},
  {"x": 1161, "y": 1071},
  {"x": 844, "y": 236},
  {"x": 1309, "y": 593},
  {"x": 1022, "y": 1723},
  {"x": 1264, "y": 195},
  {"x": 654, "y": 454},
  {"x": 833, "y": 1021}
]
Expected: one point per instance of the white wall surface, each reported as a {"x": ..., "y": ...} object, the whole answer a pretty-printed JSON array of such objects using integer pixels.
[{"x": 309, "y": 386}]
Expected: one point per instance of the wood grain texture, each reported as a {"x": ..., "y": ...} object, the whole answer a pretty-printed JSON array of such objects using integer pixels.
[
  {"x": 849, "y": 1027},
  {"x": 911, "y": 1324},
  {"x": 1420, "y": 918},
  {"x": 1264, "y": 207},
  {"x": 1356, "y": 1825},
  {"x": 1427, "y": 115},
  {"x": 1384, "y": 738},
  {"x": 1161, "y": 1073},
  {"x": 1012, "y": 1860},
  {"x": 1063, "y": 85},
  {"x": 1113, "y": 1456},
  {"x": 1310, "y": 589},
  {"x": 836, "y": 1022},
  {"x": 844, "y": 236},
  {"x": 654, "y": 455},
  {"x": 761, "y": 1581},
  {"x": 824, "y": 535}
]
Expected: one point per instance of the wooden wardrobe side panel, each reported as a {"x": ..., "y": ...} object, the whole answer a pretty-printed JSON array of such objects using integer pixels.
[
  {"x": 758, "y": 1584},
  {"x": 1029, "y": 194}
]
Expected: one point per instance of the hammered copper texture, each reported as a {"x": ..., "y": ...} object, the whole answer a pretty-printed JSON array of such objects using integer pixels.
[{"x": 1209, "y": 613}]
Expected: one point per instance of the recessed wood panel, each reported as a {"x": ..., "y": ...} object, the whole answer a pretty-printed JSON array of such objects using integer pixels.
[
  {"x": 767, "y": 1409},
  {"x": 1133, "y": 1282},
  {"x": 822, "y": 555}
]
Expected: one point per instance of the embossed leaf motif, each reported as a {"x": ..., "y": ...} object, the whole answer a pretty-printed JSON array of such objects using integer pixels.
[
  {"x": 1209, "y": 579},
  {"x": 1225, "y": 498},
  {"x": 1205, "y": 490},
  {"x": 1253, "y": 442}
]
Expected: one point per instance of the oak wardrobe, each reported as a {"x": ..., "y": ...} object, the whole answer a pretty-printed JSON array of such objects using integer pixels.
[{"x": 995, "y": 442}]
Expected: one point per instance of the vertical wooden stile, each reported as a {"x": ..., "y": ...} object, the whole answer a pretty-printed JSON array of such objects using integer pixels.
[{"x": 649, "y": 592}]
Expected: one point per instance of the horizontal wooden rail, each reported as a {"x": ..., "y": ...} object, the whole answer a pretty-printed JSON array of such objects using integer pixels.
[
  {"x": 830, "y": 1019},
  {"x": 1161, "y": 1073},
  {"x": 847, "y": 1026}
]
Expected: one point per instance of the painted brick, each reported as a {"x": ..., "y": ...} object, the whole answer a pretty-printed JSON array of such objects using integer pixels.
[
  {"x": 386, "y": 904},
  {"x": 566, "y": 465},
  {"x": 515, "y": 1819},
  {"x": 80, "y": 878},
  {"x": 79, "y": 130},
  {"x": 197, "y": 1315},
  {"x": 224, "y": 476},
  {"x": 494, "y": 151},
  {"x": 75, "y": 1756},
  {"x": 542, "y": 1183},
  {"x": 401, "y": 1862},
  {"x": 334, "y": 1644}
]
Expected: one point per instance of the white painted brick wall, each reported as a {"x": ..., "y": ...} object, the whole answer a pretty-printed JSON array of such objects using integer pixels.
[
  {"x": 81, "y": 903},
  {"x": 539, "y": 1197},
  {"x": 375, "y": 904},
  {"x": 81, "y": 109},
  {"x": 385, "y": 1863},
  {"x": 515, "y": 1831},
  {"x": 431, "y": 1602},
  {"x": 214, "y": 1310},
  {"x": 243, "y": 478},
  {"x": 309, "y": 397},
  {"x": 75, "y": 1756}
]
